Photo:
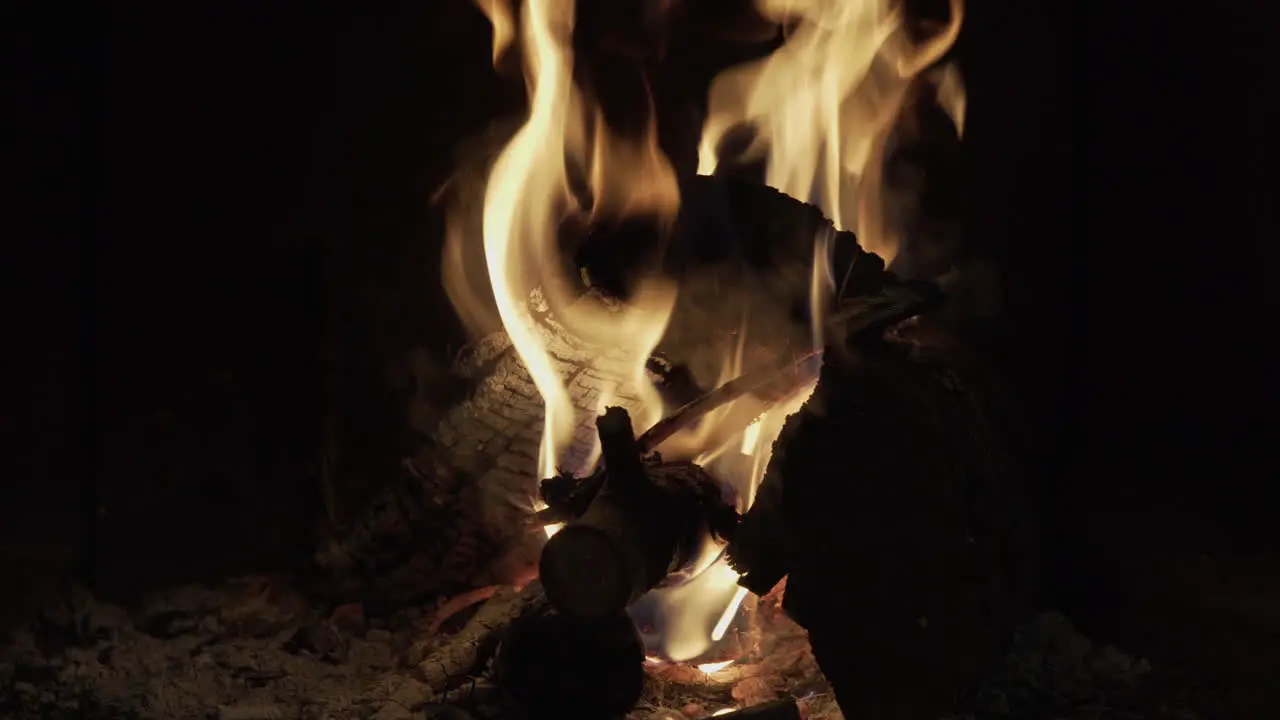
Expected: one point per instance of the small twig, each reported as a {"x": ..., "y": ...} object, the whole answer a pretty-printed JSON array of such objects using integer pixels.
[
  {"x": 682, "y": 418},
  {"x": 458, "y": 603},
  {"x": 691, "y": 413}
]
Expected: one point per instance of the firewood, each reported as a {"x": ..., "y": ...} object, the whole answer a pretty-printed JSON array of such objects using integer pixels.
[
  {"x": 895, "y": 472},
  {"x": 464, "y": 499},
  {"x": 552, "y": 666},
  {"x": 475, "y": 644},
  {"x": 643, "y": 523}
]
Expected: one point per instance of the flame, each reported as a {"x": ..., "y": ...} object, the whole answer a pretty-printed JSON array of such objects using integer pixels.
[
  {"x": 528, "y": 197},
  {"x": 712, "y": 668},
  {"x": 504, "y": 25},
  {"x": 824, "y": 104}
]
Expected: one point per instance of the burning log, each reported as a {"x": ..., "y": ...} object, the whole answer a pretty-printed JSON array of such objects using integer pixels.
[
  {"x": 479, "y": 638},
  {"x": 644, "y": 522},
  {"x": 552, "y": 666},
  {"x": 456, "y": 516},
  {"x": 895, "y": 472},
  {"x": 777, "y": 710}
]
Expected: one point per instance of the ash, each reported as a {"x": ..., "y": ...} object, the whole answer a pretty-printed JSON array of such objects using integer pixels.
[
  {"x": 251, "y": 649},
  {"x": 255, "y": 649}
]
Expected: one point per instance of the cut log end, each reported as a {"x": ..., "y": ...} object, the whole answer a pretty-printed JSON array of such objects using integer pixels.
[
  {"x": 585, "y": 573},
  {"x": 552, "y": 666}
]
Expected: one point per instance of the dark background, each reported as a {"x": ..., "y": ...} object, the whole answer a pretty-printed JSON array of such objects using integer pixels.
[{"x": 228, "y": 240}]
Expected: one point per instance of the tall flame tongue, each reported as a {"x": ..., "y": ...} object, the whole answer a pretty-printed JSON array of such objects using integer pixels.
[
  {"x": 527, "y": 198},
  {"x": 823, "y": 105}
]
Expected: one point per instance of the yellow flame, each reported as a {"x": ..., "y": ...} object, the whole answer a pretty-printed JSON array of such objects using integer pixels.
[
  {"x": 712, "y": 668},
  {"x": 823, "y": 105},
  {"x": 504, "y": 26},
  {"x": 750, "y": 437},
  {"x": 527, "y": 198},
  {"x": 698, "y": 614}
]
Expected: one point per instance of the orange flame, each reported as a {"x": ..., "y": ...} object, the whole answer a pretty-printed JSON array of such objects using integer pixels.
[
  {"x": 503, "y": 22},
  {"x": 823, "y": 107},
  {"x": 527, "y": 197},
  {"x": 824, "y": 104}
]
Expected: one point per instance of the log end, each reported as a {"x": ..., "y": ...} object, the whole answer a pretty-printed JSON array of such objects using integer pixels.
[
  {"x": 551, "y": 666},
  {"x": 585, "y": 573}
]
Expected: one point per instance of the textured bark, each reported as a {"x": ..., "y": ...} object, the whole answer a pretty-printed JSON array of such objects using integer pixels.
[
  {"x": 463, "y": 653},
  {"x": 643, "y": 523},
  {"x": 457, "y": 515},
  {"x": 552, "y": 666},
  {"x": 891, "y": 502}
]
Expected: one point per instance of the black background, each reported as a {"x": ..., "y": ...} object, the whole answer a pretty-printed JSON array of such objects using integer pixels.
[{"x": 204, "y": 192}]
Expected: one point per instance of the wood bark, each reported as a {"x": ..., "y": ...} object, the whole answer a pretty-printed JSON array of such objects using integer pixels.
[
  {"x": 892, "y": 505},
  {"x": 457, "y": 515},
  {"x": 643, "y": 523},
  {"x": 478, "y": 640},
  {"x": 553, "y": 666},
  {"x": 461, "y": 505}
]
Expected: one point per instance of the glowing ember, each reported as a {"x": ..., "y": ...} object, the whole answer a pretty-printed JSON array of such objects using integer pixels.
[
  {"x": 750, "y": 437},
  {"x": 726, "y": 618},
  {"x": 712, "y": 668}
]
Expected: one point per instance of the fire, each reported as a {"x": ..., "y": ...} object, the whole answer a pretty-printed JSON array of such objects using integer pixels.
[
  {"x": 712, "y": 668},
  {"x": 503, "y": 22},
  {"x": 823, "y": 107},
  {"x": 528, "y": 197}
]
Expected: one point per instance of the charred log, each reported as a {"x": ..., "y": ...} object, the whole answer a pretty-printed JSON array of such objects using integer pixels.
[
  {"x": 456, "y": 516},
  {"x": 475, "y": 645},
  {"x": 642, "y": 524},
  {"x": 552, "y": 666},
  {"x": 896, "y": 473}
]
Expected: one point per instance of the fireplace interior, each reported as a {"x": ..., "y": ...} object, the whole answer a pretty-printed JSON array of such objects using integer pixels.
[{"x": 644, "y": 359}]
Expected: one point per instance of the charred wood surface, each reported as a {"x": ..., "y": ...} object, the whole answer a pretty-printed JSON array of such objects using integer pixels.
[
  {"x": 891, "y": 505},
  {"x": 643, "y": 523},
  {"x": 552, "y": 666},
  {"x": 456, "y": 515},
  {"x": 464, "y": 653}
]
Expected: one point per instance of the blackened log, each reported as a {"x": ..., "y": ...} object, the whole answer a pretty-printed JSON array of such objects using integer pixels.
[
  {"x": 892, "y": 506},
  {"x": 742, "y": 255},
  {"x": 643, "y": 524},
  {"x": 462, "y": 501},
  {"x": 552, "y": 666}
]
